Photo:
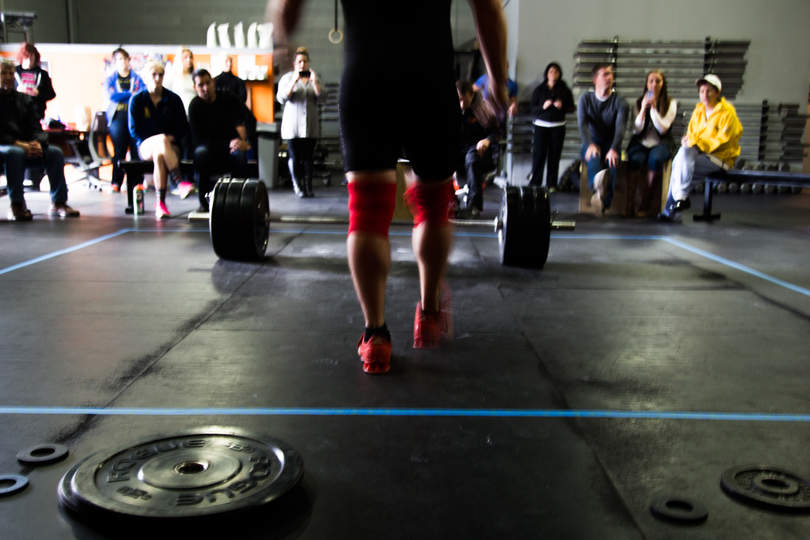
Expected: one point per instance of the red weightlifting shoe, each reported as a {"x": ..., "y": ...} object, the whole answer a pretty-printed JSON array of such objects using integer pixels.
[
  {"x": 430, "y": 330},
  {"x": 375, "y": 353}
]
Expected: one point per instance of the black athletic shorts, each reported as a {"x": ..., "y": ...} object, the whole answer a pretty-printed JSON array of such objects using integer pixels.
[{"x": 398, "y": 95}]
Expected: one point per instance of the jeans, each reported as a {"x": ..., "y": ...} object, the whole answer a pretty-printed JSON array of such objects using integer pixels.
[
  {"x": 13, "y": 162},
  {"x": 470, "y": 170},
  {"x": 208, "y": 161},
  {"x": 548, "y": 143},
  {"x": 596, "y": 164},
  {"x": 302, "y": 156},
  {"x": 689, "y": 165},
  {"x": 655, "y": 157},
  {"x": 122, "y": 141}
]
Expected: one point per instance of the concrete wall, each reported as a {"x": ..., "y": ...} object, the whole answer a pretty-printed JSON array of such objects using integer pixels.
[
  {"x": 51, "y": 23},
  {"x": 175, "y": 22},
  {"x": 778, "y": 59}
]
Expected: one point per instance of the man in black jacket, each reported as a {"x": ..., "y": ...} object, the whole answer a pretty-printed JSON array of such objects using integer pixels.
[
  {"x": 219, "y": 134},
  {"x": 24, "y": 144},
  {"x": 476, "y": 145},
  {"x": 227, "y": 81}
]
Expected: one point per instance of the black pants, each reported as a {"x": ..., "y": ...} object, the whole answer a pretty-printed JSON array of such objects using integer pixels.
[
  {"x": 208, "y": 162},
  {"x": 122, "y": 141},
  {"x": 470, "y": 172},
  {"x": 301, "y": 153},
  {"x": 548, "y": 143}
]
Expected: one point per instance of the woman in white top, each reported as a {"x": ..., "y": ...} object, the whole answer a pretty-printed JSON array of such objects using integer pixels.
[
  {"x": 652, "y": 143},
  {"x": 299, "y": 92},
  {"x": 179, "y": 79}
]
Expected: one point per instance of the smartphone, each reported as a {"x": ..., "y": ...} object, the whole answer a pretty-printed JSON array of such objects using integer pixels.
[
  {"x": 305, "y": 74},
  {"x": 650, "y": 94}
]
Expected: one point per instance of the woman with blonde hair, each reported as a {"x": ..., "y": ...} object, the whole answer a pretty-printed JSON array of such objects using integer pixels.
[
  {"x": 179, "y": 79},
  {"x": 299, "y": 92},
  {"x": 652, "y": 141},
  {"x": 157, "y": 122}
]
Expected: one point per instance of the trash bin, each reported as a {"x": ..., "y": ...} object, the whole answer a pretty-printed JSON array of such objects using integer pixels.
[{"x": 269, "y": 138}]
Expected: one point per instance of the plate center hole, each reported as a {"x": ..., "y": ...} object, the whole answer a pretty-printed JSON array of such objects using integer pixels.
[
  {"x": 5, "y": 484},
  {"x": 41, "y": 452},
  {"x": 679, "y": 505},
  {"x": 775, "y": 483},
  {"x": 191, "y": 467}
]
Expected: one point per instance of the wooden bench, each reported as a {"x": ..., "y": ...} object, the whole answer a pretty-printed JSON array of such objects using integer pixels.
[{"x": 768, "y": 178}]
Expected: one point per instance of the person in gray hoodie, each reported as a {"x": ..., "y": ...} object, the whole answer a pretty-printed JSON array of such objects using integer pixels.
[{"x": 602, "y": 117}]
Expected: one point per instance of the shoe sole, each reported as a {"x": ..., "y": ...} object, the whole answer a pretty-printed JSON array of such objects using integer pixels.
[
  {"x": 378, "y": 361},
  {"x": 446, "y": 336},
  {"x": 596, "y": 203}
]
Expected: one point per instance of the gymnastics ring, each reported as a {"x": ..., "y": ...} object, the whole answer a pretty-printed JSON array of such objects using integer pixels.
[{"x": 334, "y": 31}]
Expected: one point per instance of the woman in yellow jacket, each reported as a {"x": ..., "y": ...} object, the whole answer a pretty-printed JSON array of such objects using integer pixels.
[{"x": 710, "y": 144}]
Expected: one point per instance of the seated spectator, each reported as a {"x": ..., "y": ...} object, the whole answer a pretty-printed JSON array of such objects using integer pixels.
[
  {"x": 551, "y": 100},
  {"x": 157, "y": 122},
  {"x": 230, "y": 82},
  {"x": 32, "y": 79},
  {"x": 118, "y": 88},
  {"x": 218, "y": 131},
  {"x": 23, "y": 144},
  {"x": 475, "y": 154},
  {"x": 711, "y": 144},
  {"x": 652, "y": 143},
  {"x": 602, "y": 117}
]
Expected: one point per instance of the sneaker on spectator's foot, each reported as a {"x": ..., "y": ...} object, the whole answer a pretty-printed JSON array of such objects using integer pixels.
[
  {"x": 185, "y": 189},
  {"x": 375, "y": 354},
  {"x": 63, "y": 210},
  {"x": 19, "y": 212},
  {"x": 596, "y": 204},
  {"x": 114, "y": 188},
  {"x": 161, "y": 212},
  {"x": 433, "y": 329}
]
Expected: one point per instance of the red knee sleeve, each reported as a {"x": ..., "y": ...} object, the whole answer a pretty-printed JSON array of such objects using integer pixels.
[
  {"x": 371, "y": 206},
  {"x": 430, "y": 203}
]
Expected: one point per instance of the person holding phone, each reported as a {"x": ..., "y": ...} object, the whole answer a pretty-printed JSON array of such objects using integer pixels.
[
  {"x": 299, "y": 92},
  {"x": 652, "y": 141}
]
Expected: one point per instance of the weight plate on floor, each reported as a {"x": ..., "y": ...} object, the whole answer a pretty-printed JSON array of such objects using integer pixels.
[
  {"x": 206, "y": 472},
  {"x": 509, "y": 241},
  {"x": 254, "y": 220},
  {"x": 536, "y": 226},
  {"x": 65, "y": 492},
  {"x": 17, "y": 483},
  {"x": 678, "y": 509},
  {"x": 217, "y": 224},
  {"x": 42, "y": 453},
  {"x": 767, "y": 486}
]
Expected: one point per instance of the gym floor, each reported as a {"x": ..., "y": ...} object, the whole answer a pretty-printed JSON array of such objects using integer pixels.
[{"x": 644, "y": 360}]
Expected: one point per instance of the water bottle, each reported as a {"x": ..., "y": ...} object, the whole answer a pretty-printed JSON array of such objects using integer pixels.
[{"x": 139, "y": 200}]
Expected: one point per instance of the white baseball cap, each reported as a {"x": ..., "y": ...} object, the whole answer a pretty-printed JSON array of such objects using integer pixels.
[{"x": 712, "y": 79}]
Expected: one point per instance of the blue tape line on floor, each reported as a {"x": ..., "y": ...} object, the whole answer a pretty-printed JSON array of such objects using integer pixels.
[
  {"x": 737, "y": 266},
  {"x": 492, "y": 413},
  {"x": 62, "y": 251},
  {"x": 678, "y": 243}
]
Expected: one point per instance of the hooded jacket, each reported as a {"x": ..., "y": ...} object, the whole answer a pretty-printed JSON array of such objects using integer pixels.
[{"x": 719, "y": 134}]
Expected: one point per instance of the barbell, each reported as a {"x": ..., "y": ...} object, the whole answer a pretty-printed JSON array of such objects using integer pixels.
[{"x": 239, "y": 222}]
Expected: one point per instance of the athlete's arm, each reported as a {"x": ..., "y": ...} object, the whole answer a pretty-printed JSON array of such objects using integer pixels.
[{"x": 491, "y": 29}]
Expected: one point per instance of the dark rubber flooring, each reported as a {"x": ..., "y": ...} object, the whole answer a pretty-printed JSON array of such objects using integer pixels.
[{"x": 487, "y": 438}]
